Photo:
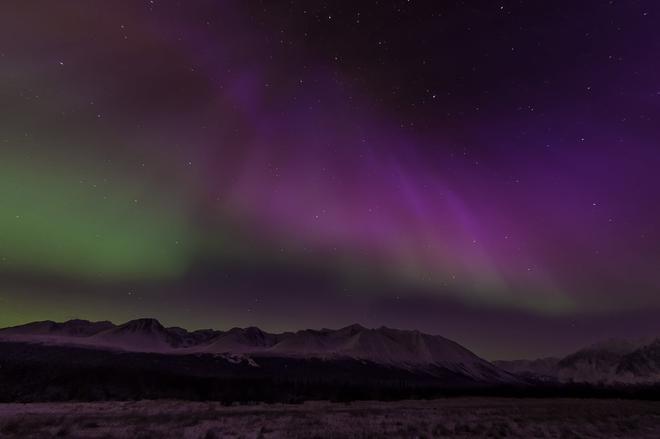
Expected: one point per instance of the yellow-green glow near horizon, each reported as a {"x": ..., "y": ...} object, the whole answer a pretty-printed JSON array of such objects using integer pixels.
[{"x": 52, "y": 220}]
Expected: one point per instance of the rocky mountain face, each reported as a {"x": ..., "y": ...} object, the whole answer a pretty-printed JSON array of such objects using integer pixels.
[
  {"x": 609, "y": 362},
  {"x": 542, "y": 369}
]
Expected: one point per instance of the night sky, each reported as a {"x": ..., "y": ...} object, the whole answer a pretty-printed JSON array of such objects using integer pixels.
[{"x": 484, "y": 170}]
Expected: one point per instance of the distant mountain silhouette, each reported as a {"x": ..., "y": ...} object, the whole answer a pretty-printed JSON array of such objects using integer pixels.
[
  {"x": 409, "y": 350},
  {"x": 612, "y": 361},
  {"x": 141, "y": 359}
]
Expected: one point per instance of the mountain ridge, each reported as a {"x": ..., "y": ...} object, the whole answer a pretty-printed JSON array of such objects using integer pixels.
[
  {"x": 612, "y": 361},
  {"x": 404, "y": 349}
]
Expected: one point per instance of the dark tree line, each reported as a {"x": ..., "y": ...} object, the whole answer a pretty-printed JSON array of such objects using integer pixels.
[{"x": 48, "y": 373}]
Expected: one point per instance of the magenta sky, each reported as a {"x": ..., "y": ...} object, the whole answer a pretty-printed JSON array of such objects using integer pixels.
[{"x": 483, "y": 170}]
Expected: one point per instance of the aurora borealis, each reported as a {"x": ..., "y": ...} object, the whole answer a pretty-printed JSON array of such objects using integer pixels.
[{"x": 484, "y": 170}]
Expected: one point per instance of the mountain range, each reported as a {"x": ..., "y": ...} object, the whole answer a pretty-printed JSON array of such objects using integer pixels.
[
  {"x": 410, "y": 350},
  {"x": 142, "y": 359},
  {"x": 605, "y": 363},
  {"x": 613, "y": 361},
  {"x": 393, "y": 348}
]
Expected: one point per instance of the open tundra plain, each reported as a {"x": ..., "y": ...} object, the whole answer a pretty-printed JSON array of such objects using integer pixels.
[{"x": 454, "y": 417}]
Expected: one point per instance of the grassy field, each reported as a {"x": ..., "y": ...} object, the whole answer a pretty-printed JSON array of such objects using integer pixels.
[{"x": 455, "y": 418}]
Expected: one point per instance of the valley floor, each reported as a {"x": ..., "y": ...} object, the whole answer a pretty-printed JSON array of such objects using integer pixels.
[{"x": 454, "y": 417}]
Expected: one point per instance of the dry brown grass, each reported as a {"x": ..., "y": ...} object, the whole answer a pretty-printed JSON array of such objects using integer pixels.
[{"x": 450, "y": 418}]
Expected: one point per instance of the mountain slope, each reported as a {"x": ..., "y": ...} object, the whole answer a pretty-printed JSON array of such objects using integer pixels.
[
  {"x": 609, "y": 362},
  {"x": 409, "y": 350},
  {"x": 542, "y": 369},
  {"x": 237, "y": 341},
  {"x": 71, "y": 328},
  {"x": 140, "y": 335}
]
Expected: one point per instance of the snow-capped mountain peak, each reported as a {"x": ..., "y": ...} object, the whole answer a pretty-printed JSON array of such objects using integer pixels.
[{"x": 411, "y": 350}]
